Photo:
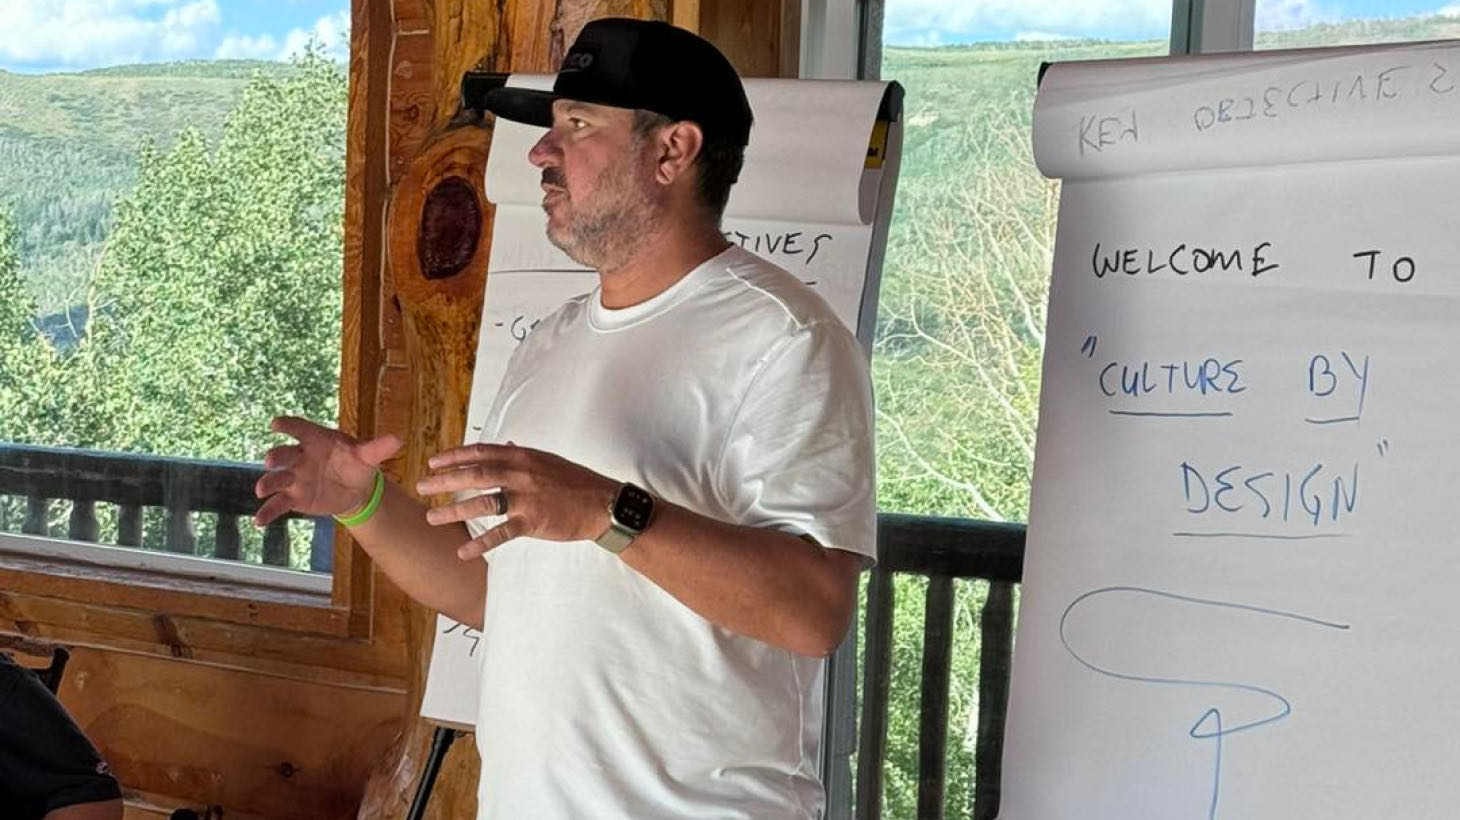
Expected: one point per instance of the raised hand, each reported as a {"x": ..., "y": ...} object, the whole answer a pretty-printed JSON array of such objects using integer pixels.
[
  {"x": 543, "y": 495},
  {"x": 326, "y": 473}
]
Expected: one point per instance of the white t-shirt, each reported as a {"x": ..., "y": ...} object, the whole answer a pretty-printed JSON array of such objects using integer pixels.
[{"x": 738, "y": 394}]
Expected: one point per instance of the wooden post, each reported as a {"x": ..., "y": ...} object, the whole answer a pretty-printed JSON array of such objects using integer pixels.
[{"x": 437, "y": 276}]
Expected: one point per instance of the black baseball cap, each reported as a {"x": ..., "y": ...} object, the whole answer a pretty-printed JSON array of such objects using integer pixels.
[{"x": 645, "y": 64}]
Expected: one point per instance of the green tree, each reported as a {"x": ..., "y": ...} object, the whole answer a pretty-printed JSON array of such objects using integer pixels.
[
  {"x": 16, "y": 309},
  {"x": 29, "y": 367},
  {"x": 216, "y": 301},
  {"x": 218, "y": 295}
]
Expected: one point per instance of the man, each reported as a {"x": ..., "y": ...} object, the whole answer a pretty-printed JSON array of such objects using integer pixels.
[
  {"x": 48, "y": 769},
  {"x": 678, "y": 497}
]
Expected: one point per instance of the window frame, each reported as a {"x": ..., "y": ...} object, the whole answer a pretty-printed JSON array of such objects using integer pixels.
[
  {"x": 1197, "y": 26},
  {"x": 1212, "y": 26},
  {"x": 88, "y": 592}
]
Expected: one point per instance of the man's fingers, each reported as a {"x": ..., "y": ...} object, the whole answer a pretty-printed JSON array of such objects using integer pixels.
[
  {"x": 376, "y": 450},
  {"x": 273, "y": 482},
  {"x": 491, "y": 539},
  {"x": 476, "y": 477},
  {"x": 282, "y": 456},
  {"x": 469, "y": 454},
  {"x": 475, "y": 507},
  {"x": 299, "y": 428},
  {"x": 273, "y": 508}
]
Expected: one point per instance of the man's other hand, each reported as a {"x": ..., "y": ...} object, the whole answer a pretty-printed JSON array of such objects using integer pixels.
[
  {"x": 543, "y": 495},
  {"x": 326, "y": 473}
]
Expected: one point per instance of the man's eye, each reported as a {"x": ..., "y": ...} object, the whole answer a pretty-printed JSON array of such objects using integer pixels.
[{"x": 577, "y": 124}]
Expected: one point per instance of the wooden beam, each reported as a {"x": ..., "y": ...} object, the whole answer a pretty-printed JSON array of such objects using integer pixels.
[
  {"x": 950, "y": 546},
  {"x": 685, "y": 14},
  {"x": 761, "y": 37},
  {"x": 276, "y": 747},
  {"x": 429, "y": 361}
]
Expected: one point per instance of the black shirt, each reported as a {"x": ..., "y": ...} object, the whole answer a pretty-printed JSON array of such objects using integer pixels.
[{"x": 46, "y": 762}]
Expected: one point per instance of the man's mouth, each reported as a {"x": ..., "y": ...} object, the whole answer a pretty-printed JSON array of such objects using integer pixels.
[{"x": 552, "y": 180}]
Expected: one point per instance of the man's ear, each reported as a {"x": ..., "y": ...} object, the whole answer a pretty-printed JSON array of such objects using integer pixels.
[{"x": 679, "y": 145}]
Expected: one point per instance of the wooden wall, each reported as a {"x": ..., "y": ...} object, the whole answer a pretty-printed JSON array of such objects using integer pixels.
[{"x": 305, "y": 709}]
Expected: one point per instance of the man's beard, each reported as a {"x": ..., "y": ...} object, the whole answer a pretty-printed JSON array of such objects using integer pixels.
[{"x": 606, "y": 235}]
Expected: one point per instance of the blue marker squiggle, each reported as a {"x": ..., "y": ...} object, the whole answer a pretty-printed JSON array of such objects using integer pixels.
[{"x": 1209, "y": 726}]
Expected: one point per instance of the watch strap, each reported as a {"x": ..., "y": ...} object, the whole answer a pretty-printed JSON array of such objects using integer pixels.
[{"x": 616, "y": 538}]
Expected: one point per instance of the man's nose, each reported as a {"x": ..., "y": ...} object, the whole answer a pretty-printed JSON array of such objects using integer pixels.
[{"x": 543, "y": 151}]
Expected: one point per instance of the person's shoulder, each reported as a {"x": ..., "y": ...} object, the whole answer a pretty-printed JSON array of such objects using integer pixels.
[{"x": 754, "y": 287}]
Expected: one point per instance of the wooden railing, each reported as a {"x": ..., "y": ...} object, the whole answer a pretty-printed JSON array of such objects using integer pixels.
[
  {"x": 181, "y": 488},
  {"x": 944, "y": 550}
]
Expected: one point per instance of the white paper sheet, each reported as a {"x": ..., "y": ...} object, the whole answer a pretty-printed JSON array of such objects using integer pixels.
[
  {"x": 803, "y": 164},
  {"x": 804, "y": 201},
  {"x": 1238, "y": 594},
  {"x": 1117, "y": 117}
]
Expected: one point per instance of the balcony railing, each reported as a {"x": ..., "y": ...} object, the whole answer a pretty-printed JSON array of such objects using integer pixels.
[
  {"x": 178, "y": 489},
  {"x": 946, "y": 551}
]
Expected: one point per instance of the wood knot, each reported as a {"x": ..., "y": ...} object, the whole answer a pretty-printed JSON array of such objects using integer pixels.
[
  {"x": 167, "y": 635},
  {"x": 451, "y": 226}
]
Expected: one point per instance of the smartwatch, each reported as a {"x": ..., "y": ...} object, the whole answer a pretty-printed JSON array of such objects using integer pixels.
[{"x": 628, "y": 515}]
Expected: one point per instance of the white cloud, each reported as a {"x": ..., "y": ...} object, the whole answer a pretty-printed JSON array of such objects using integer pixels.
[
  {"x": 331, "y": 31},
  {"x": 243, "y": 47},
  {"x": 184, "y": 27},
  {"x": 930, "y": 21},
  {"x": 1452, "y": 10},
  {"x": 87, "y": 33}
]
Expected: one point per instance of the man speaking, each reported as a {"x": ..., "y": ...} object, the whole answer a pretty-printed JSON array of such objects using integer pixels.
[{"x": 674, "y": 489}]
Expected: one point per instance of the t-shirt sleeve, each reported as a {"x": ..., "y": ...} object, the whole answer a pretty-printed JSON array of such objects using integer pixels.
[
  {"x": 46, "y": 763},
  {"x": 798, "y": 456}
]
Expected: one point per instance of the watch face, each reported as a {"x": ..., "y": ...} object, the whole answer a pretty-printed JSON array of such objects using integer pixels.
[{"x": 633, "y": 507}]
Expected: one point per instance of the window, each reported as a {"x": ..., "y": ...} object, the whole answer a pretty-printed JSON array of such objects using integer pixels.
[
  {"x": 1307, "y": 23},
  {"x": 171, "y": 223},
  {"x": 960, "y": 335},
  {"x": 956, "y": 364}
]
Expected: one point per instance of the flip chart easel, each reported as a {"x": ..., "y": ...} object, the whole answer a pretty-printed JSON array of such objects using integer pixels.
[{"x": 1238, "y": 597}]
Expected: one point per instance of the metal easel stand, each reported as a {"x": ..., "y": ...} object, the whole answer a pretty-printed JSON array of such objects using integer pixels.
[{"x": 441, "y": 741}]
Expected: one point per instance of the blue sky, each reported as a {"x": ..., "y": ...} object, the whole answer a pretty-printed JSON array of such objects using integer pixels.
[{"x": 70, "y": 35}]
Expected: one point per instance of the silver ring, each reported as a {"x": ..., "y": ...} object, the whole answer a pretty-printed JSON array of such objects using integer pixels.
[{"x": 501, "y": 502}]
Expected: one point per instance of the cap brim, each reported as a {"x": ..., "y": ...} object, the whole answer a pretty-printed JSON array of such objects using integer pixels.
[{"x": 526, "y": 105}]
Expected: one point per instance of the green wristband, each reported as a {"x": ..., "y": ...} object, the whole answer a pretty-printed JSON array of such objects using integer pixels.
[{"x": 370, "y": 507}]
